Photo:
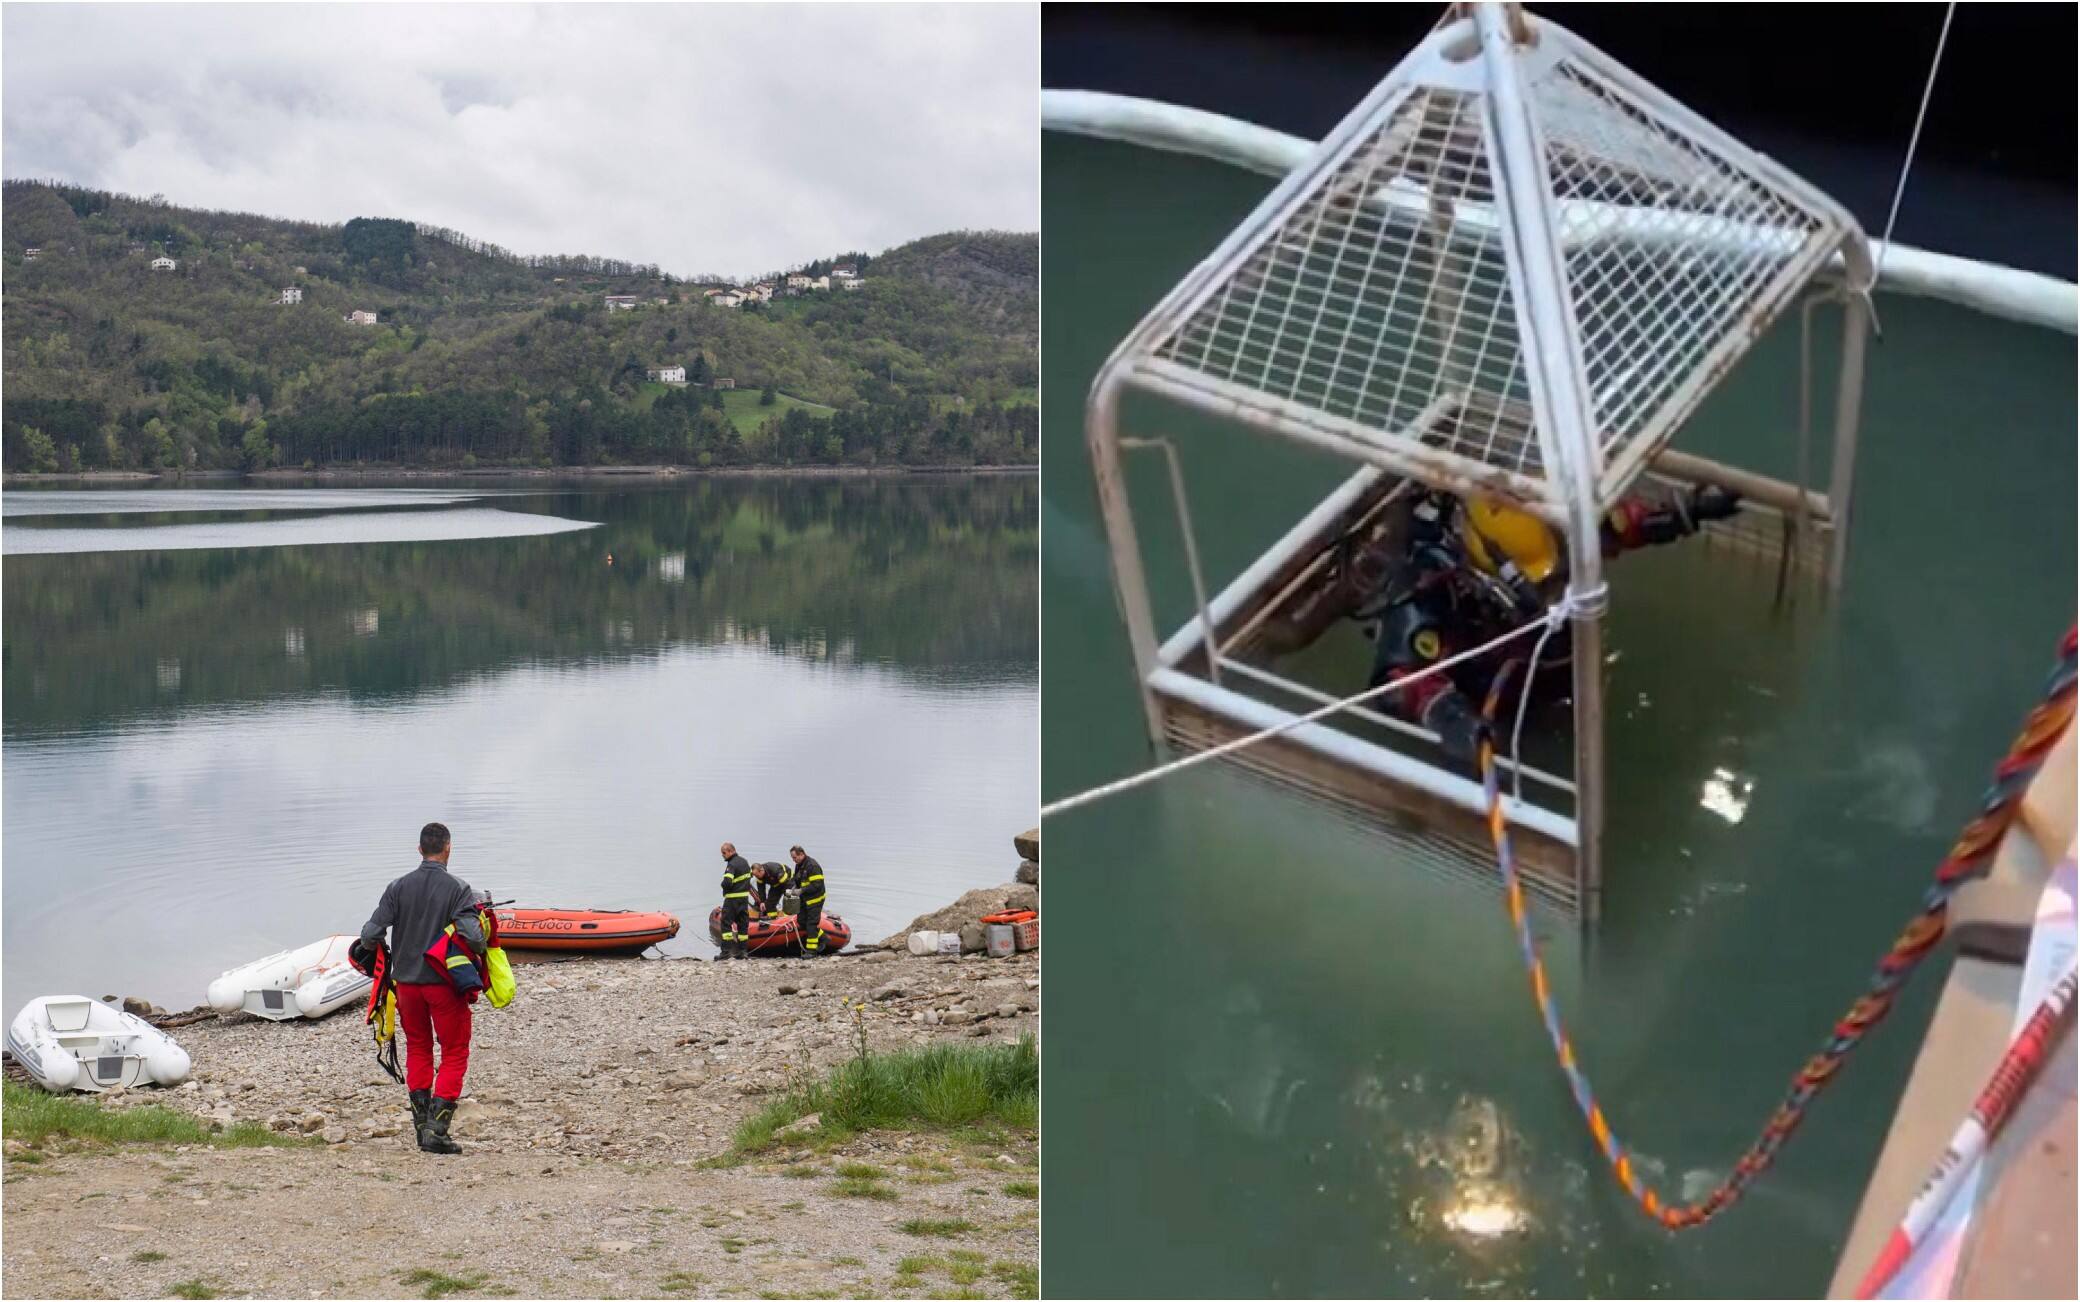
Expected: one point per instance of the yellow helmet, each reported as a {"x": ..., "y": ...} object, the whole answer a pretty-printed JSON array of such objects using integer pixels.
[{"x": 1495, "y": 533}]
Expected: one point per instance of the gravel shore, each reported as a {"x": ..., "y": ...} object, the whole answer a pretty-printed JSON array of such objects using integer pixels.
[{"x": 593, "y": 1102}]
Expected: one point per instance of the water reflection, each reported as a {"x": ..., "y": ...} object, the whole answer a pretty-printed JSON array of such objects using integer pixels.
[{"x": 933, "y": 580}]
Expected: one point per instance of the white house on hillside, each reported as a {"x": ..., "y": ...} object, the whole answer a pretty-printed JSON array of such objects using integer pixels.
[
  {"x": 852, "y": 282},
  {"x": 164, "y": 264},
  {"x": 799, "y": 281},
  {"x": 843, "y": 273},
  {"x": 360, "y": 318},
  {"x": 821, "y": 282},
  {"x": 621, "y": 302},
  {"x": 668, "y": 374},
  {"x": 31, "y": 255},
  {"x": 727, "y": 298},
  {"x": 293, "y": 294}
]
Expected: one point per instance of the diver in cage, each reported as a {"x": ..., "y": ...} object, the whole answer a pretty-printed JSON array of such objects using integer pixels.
[{"x": 1441, "y": 575}]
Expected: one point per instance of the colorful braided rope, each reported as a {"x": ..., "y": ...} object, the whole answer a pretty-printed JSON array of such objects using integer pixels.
[{"x": 1968, "y": 859}]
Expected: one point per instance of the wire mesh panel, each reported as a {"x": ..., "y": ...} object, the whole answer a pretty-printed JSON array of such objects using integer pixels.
[
  {"x": 1371, "y": 304},
  {"x": 1676, "y": 255},
  {"x": 1388, "y": 300}
]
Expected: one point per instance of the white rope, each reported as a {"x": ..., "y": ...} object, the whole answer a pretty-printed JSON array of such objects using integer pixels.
[
  {"x": 1584, "y": 604},
  {"x": 1907, "y": 165}
]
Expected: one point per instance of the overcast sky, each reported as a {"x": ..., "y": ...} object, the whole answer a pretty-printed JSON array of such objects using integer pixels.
[{"x": 705, "y": 138}]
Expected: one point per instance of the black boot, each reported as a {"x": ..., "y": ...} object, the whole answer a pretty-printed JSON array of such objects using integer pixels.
[
  {"x": 422, "y": 1108},
  {"x": 433, "y": 1136}
]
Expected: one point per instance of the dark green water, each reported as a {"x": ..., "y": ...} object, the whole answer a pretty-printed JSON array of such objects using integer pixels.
[
  {"x": 215, "y": 752},
  {"x": 1286, "y": 1065}
]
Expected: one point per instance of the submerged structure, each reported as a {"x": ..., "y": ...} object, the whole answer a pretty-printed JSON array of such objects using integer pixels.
[{"x": 1511, "y": 275}]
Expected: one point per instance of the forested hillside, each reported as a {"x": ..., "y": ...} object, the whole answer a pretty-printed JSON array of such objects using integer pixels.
[{"x": 478, "y": 356}]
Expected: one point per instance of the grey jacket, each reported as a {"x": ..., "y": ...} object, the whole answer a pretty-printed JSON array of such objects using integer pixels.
[{"x": 415, "y": 910}]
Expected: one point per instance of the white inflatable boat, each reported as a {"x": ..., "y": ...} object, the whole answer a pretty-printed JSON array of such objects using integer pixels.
[
  {"x": 71, "y": 1042},
  {"x": 307, "y": 982}
]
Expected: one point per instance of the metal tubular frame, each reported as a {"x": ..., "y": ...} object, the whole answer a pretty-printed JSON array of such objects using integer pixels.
[{"x": 1574, "y": 483}]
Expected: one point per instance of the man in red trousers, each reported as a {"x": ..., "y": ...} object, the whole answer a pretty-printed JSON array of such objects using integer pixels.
[{"x": 417, "y": 909}]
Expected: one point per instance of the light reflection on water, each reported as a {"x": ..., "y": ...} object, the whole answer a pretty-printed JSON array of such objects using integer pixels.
[{"x": 293, "y": 531}]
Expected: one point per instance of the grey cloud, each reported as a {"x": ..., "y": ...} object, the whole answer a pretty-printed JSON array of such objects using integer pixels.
[{"x": 727, "y": 138}]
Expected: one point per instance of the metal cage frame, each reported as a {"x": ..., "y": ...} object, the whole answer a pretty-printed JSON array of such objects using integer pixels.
[{"x": 1577, "y": 433}]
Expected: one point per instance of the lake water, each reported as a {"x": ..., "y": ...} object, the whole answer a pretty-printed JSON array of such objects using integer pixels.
[
  {"x": 1301, "y": 1068},
  {"x": 225, "y": 744}
]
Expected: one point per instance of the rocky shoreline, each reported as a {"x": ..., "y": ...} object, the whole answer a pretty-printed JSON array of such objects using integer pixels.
[{"x": 623, "y": 1079}]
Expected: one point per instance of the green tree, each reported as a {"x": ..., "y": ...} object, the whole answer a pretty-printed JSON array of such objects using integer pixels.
[
  {"x": 259, "y": 453},
  {"x": 769, "y": 397},
  {"x": 38, "y": 450},
  {"x": 158, "y": 445}
]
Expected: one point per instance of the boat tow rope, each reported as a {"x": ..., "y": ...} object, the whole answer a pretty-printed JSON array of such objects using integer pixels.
[
  {"x": 1969, "y": 859},
  {"x": 1585, "y": 605}
]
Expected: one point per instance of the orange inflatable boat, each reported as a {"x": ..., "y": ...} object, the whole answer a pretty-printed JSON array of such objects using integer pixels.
[
  {"x": 583, "y": 929},
  {"x": 778, "y": 934}
]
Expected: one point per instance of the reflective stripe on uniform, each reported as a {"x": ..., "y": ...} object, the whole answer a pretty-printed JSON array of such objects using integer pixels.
[
  {"x": 736, "y": 895},
  {"x": 458, "y": 960}
]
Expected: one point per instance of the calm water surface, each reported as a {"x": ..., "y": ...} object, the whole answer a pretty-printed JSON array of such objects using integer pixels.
[
  {"x": 225, "y": 744},
  {"x": 1299, "y": 1067}
]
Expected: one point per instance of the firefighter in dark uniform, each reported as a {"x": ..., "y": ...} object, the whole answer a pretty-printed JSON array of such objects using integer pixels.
[
  {"x": 736, "y": 903},
  {"x": 1473, "y": 571},
  {"x": 808, "y": 879}
]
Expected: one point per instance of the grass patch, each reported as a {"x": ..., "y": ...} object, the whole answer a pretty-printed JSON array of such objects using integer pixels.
[
  {"x": 147, "y": 1257},
  {"x": 802, "y": 1171},
  {"x": 191, "y": 1288},
  {"x": 32, "y": 1116},
  {"x": 741, "y": 406},
  {"x": 854, "y": 1187},
  {"x": 680, "y": 1281},
  {"x": 965, "y": 1269},
  {"x": 433, "y": 1283},
  {"x": 926, "y": 1228},
  {"x": 860, "y": 1171},
  {"x": 1022, "y": 1189},
  {"x": 981, "y": 1088},
  {"x": 1023, "y": 1278},
  {"x": 732, "y": 1246}
]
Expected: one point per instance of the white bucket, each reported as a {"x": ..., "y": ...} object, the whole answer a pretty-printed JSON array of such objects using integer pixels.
[
  {"x": 925, "y": 942},
  {"x": 950, "y": 943}
]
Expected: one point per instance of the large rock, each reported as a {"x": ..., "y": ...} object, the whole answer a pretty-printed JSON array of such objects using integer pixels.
[
  {"x": 969, "y": 908},
  {"x": 1029, "y": 872},
  {"x": 974, "y": 936},
  {"x": 1028, "y": 844}
]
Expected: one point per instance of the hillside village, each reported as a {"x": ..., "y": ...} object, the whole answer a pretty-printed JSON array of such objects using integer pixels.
[{"x": 143, "y": 336}]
